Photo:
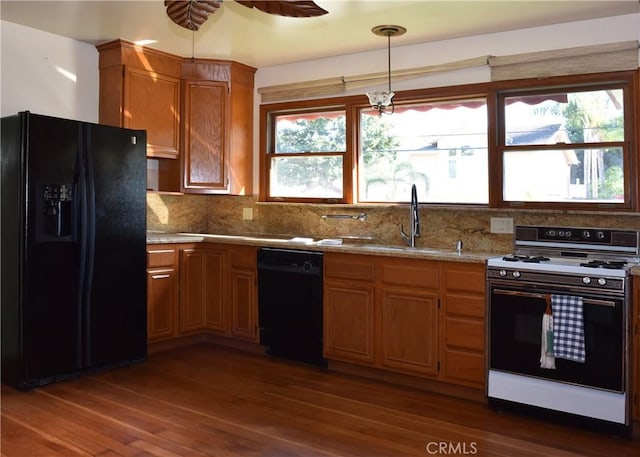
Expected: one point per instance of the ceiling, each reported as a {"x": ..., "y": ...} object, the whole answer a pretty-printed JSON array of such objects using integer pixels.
[{"x": 255, "y": 38}]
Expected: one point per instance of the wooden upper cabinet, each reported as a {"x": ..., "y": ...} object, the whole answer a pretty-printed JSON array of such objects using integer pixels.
[
  {"x": 140, "y": 89},
  {"x": 205, "y": 118},
  {"x": 217, "y": 125},
  {"x": 151, "y": 102}
]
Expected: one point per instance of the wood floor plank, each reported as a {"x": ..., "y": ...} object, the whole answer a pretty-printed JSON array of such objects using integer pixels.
[
  {"x": 205, "y": 400},
  {"x": 23, "y": 440}
]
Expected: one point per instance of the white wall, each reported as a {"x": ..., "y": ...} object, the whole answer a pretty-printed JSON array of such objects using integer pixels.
[
  {"x": 568, "y": 35},
  {"x": 47, "y": 74}
]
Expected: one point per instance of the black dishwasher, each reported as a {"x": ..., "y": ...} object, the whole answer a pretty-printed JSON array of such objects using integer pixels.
[{"x": 290, "y": 304}]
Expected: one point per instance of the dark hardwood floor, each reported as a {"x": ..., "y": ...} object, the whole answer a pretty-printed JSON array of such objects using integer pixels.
[{"x": 205, "y": 400}]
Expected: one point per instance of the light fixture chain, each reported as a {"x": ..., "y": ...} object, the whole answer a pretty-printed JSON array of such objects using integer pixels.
[
  {"x": 193, "y": 45},
  {"x": 389, "y": 58},
  {"x": 381, "y": 100}
]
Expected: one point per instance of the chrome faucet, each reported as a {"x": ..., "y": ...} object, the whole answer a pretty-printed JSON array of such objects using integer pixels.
[{"x": 414, "y": 220}]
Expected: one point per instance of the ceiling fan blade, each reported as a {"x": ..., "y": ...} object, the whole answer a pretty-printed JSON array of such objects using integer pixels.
[
  {"x": 288, "y": 8},
  {"x": 191, "y": 14}
]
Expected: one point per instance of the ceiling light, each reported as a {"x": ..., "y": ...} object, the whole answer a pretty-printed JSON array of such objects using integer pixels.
[{"x": 381, "y": 100}]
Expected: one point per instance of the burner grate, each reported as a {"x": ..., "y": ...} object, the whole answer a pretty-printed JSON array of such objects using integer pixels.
[
  {"x": 525, "y": 258},
  {"x": 608, "y": 264}
]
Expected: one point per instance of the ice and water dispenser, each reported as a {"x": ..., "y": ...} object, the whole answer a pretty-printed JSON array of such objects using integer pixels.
[{"x": 56, "y": 213}]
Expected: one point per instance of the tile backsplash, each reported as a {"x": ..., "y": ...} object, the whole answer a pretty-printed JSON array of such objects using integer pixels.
[{"x": 441, "y": 227}]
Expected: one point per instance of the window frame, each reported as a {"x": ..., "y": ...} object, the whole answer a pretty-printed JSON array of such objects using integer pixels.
[
  {"x": 573, "y": 83},
  {"x": 491, "y": 91},
  {"x": 267, "y": 149}
]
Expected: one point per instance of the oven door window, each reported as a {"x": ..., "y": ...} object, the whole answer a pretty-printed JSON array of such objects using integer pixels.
[{"x": 515, "y": 340}]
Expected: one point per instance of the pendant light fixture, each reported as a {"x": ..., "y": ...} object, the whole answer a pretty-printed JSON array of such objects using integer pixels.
[{"x": 381, "y": 100}]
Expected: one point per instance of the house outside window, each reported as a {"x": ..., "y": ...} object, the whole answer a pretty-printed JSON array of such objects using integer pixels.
[
  {"x": 564, "y": 146},
  {"x": 441, "y": 147}
]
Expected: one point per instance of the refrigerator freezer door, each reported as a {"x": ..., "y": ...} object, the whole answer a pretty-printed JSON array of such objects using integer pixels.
[
  {"x": 42, "y": 314},
  {"x": 115, "y": 319}
]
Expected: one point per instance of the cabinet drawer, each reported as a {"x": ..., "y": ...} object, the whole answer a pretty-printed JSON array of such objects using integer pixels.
[
  {"x": 462, "y": 304},
  {"x": 346, "y": 268},
  {"x": 469, "y": 278},
  {"x": 161, "y": 258},
  {"x": 465, "y": 368},
  {"x": 465, "y": 333},
  {"x": 243, "y": 257},
  {"x": 403, "y": 272}
]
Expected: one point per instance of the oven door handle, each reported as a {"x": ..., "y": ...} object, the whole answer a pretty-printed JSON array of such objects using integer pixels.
[{"x": 589, "y": 301}]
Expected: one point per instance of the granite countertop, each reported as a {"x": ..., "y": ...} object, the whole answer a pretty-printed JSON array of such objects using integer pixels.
[
  {"x": 321, "y": 245},
  {"x": 164, "y": 238},
  {"x": 329, "y": 246}
]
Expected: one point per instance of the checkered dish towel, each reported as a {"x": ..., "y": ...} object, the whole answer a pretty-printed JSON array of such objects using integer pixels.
[{"x": 568, "y": 328}]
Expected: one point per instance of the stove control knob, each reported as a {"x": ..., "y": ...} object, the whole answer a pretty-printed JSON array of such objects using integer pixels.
[
  {"x": 515, "y": 274},
  {"x": 502, "y": 273},
  {"x": 586, "y": 280},
  {"x": 602, "y": 281}
]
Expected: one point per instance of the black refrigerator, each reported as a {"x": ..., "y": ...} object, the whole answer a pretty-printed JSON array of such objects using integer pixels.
[{"x": 73, "y": 229}]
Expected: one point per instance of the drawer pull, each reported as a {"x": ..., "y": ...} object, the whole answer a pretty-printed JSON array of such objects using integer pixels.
[{"x": 160, "y": 276}]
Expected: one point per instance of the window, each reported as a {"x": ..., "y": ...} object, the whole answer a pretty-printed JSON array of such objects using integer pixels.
[
  {"x": 439, "y": 146},
  {"x": 565, "y": 146},
  {"x": 307, "y": 160},
  {"x": 565, "y": 142}
]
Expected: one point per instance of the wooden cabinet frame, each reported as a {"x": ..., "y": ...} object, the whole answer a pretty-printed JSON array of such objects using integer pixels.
[
  {"x": 162, "y": 292},
  {"x": 411, "y": 316}
]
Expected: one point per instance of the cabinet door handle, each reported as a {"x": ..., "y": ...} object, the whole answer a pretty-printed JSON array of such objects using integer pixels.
[{"x": 160, "y": 276}]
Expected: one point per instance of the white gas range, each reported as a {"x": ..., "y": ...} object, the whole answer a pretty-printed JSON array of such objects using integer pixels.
[{"x": 588, "y": 267}]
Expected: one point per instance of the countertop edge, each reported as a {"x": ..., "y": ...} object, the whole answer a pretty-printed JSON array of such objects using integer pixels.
[{"x": 361, "y": 249}]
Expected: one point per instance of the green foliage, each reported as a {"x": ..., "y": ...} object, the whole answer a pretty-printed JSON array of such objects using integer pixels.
[
  {"x": 378, "y": 143},
  {"x": 575, "y": 122},
  {"x": 613, "y": 185},
  {"x": 322, "y": 134}
]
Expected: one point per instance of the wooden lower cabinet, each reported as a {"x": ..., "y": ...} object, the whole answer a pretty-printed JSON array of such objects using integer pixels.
[
  {"x": 463, "y": 330},
  {"x": 202, "y": 288},
  {"x": 409, "y": 335},
  {"x": 348, "y": 311},
  {"x": 348, "y": 321},
  {"x": 218, "y": 291},
  {"x": 201, "y": 281},
  {"x": 409, "y": 315},
  {"x": 162, "y": 292},
  {"x": 418, "y": 317},
  {"x": 243, "y": 292}
]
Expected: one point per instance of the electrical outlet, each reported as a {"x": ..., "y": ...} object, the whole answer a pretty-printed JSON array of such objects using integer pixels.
[
  {"x": 501, "y": 225},
  {"x": 247, "y": 214}
]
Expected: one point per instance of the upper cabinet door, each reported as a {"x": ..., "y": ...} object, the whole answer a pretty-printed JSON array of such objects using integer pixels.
[
  {"x": 152, "y": 102},
  {"x": 205, "y": 118}
]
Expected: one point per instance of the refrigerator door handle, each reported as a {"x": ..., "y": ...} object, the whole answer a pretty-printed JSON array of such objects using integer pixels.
[
  {"x": 90, "y": 228},
  {"x": 82, "y": 241}
]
